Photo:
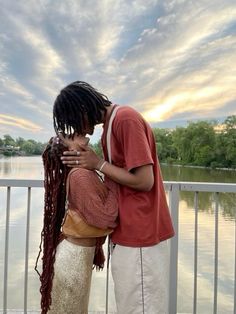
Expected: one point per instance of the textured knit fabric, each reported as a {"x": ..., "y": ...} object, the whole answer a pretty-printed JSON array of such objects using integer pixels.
[
  {"x": 144, "y": 217},
  {"x": 95, "y": 201},
  {"x": 72, "y": 279},
  {"x": 141, "y": 279}
]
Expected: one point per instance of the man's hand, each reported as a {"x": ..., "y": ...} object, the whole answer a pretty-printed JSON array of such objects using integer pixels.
[{"x": 86, "y": 158}]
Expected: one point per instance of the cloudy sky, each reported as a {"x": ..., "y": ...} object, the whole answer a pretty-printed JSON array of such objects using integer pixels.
[{"x": 173, "y": 61}]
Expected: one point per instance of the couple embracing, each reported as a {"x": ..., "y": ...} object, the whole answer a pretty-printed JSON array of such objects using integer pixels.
[{"x": 121, "y": 196}]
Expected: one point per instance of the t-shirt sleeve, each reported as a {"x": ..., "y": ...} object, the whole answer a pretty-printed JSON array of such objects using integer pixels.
[
  {"x": 133, "y": 139},
  {"x": 96, "y": 204}
]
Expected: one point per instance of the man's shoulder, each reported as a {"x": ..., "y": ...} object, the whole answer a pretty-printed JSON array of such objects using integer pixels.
[{"x": 127, "y": 112}]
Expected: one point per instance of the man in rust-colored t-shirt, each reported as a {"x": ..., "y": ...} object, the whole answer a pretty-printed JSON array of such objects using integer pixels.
[
  {"x": 140, "y": 257},
  {"x": 139, "y": 260},
  {"x": 144, "y": 215}
]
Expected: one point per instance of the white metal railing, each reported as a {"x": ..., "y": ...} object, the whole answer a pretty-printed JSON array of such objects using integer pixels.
[{"x": 173, "y": 189}]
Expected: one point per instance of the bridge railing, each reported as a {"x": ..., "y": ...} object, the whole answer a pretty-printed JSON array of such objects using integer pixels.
[{"x": 173, "y": 189}]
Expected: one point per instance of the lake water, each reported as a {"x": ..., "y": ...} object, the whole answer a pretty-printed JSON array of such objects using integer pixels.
[{"x": 31, "y": 168}]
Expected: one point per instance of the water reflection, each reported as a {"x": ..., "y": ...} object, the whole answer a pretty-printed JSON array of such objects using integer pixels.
[
  {"x": 175, "y": 173},
  {"x": 227, "y": 201},
  {"x": 21, "y": 167},
  {"x": 32, "y": 168},
  {"x": 206, "y": 202}
]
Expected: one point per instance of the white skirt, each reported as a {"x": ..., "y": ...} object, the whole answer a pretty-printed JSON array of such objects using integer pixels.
[{"x": 72, "y": 279}]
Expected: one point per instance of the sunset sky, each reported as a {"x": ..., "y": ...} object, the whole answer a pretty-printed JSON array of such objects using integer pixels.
[{"x": 173, "y": 61}]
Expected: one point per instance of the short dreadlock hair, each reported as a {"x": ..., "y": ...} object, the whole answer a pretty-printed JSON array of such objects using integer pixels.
[{"x": 77, "y": 104}]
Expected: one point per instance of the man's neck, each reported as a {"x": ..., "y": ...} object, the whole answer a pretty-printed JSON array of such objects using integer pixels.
[{"x": 107, "y": 114}]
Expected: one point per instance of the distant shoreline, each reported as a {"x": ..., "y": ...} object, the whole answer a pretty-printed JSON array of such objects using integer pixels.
[
  {"x": 161, "y": 163},
  {"x": 199, "y": 167},
  {"x": 19, "y": 155}
]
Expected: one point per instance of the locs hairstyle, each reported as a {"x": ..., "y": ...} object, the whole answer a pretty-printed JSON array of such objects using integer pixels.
[
  {"x": 55, "y": 174},
  {"x": 77, "y": 104}
]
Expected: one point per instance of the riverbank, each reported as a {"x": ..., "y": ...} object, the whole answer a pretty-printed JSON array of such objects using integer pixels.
[
  {"x": 24, "y": 154},
  {"x": 17, "y": 154},
  {"x": 196, "y": 167}
]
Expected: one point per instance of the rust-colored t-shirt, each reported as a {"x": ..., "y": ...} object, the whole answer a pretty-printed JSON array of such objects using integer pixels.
[{"x": 144, "y": 217}]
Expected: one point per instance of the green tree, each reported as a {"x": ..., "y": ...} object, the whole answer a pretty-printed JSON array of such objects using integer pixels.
[
  {"x": 182, "y": 143},
  {"x": 19, "y": 141},
  {"x": 204, "y": 156},
  {"x": 8, "y": 140},
  {"x": 230, "y": 122},
  {"x": 97, "y": 147},
  {"x": 195, "y": 143},
  {"x": 28, "y": 147},
  {"x": 164, "y": 144},
  {"x": 220, "y": 151},
  {"x": 230, "y": 140}
]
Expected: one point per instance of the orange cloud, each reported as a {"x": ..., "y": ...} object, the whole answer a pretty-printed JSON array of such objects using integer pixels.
[{"x": 20, "y": 123}]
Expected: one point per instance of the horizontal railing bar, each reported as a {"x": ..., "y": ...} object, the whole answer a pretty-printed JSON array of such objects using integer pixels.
[
  {"x": 21, "y": 183},
  {"x": 208, "y": 187},
  {"x": 183, "y": 186}
]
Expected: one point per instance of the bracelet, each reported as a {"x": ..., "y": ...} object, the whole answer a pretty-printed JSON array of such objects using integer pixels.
[
  {"x": 101, "y": 161},
  {"x": 102, "y": 165}
]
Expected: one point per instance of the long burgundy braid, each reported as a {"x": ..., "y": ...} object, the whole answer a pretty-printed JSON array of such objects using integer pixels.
[{"x": 55, "y": 174}]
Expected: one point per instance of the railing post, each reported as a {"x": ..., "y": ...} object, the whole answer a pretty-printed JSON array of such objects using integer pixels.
[
  {"x": 27, "y": 250},
  {"x": 195, "y": 253},
  {"x": 6, "y": 251},
  {"x": 216, "y": 252},
  {"x": 173, "y": 273},
  {"x": 107, "y": 273},
  {"x": 235, "y": 264}
]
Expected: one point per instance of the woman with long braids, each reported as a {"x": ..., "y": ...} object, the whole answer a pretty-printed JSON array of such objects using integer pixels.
[{"x": 67, "y": 262}]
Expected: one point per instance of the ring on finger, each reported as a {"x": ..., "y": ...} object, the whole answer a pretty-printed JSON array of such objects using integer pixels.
[{"x": 77, "y": 162}]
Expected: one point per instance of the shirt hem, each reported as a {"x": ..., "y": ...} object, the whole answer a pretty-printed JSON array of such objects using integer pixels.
[
  {"x": 144, "y": 244},
  {"x": 140, "y": 164}
]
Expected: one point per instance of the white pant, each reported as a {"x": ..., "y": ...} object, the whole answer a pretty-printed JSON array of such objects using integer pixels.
[{"x": 141, "y": 279}]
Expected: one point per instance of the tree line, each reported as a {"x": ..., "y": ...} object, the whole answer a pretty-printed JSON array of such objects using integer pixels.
[
  {"x": 19, "y": 146},
  {"x": 202, "y": 143}
]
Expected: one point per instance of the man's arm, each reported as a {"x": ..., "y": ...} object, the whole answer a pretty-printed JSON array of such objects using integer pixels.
[{"x": 140, "y": 178}]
